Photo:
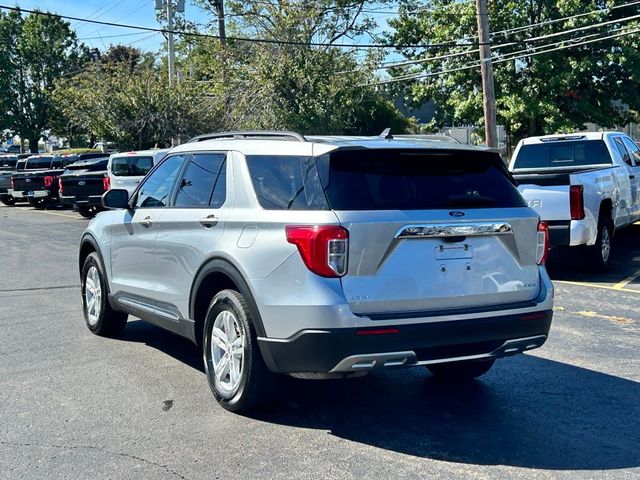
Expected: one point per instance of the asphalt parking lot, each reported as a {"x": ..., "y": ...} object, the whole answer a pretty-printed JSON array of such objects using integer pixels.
[{"x": 73, "y": 405}]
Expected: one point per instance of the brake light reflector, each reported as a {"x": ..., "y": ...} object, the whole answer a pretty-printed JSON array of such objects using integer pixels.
[
  {"x": 576, "y": 202},
  {"x": 60, "y": 185},
  {"x": 106, "y": 183},
  {"x": 543, "y": 243},
  {"x": 324, "y": 249},
  {"x": 48, "y": 180},
  {"x": 12, "y": 186},
  {"x": 377, "y": 331}
]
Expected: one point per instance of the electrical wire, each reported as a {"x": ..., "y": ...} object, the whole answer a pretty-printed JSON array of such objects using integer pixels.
[{"x": 499, "y": 60}]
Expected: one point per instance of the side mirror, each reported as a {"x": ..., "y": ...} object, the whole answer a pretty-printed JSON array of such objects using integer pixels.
[{"x": 116, "y": 198}]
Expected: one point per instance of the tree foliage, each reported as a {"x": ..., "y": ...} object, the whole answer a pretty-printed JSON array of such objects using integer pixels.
[
  {"x": 37, "y": 50},
  {"x": 545, "y": 93}
]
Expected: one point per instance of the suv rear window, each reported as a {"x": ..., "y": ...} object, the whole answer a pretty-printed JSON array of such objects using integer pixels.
[
  {"x": 564, "y": 154},
  {"x": 416, "y": 180},
  {"x": 384, "y": 180},
  {"x": 132, "y": 166}
]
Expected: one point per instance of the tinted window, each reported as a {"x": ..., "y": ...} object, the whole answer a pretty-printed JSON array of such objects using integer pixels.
[
  {"x": 626, "y": 158},
  {"x": 35, "y": 163},
  {"x": 8, "y": 162},
  {"x": 633, "y": 149},
  {"x": 204, "y": 182},
  {"x": 155, "y": 191},
  {"x": 567, "y": 154},
  {"x": 132, "y": 166},
  {"x": 416, "y": 180},
  {"x": 20, "y": 165},
  {"x": 286, "y": 182},
  {"x": 89, "y": 165}
]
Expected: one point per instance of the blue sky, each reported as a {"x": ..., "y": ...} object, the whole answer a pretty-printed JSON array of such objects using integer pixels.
[{"x": 135, "y": 12}]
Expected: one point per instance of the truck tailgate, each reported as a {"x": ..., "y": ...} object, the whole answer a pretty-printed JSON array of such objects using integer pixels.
[{"x": 547, "y": 194}]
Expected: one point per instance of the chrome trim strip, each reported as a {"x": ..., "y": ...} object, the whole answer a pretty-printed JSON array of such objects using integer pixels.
[
  {"x": 372, "y": 361},
  {"x": 454, "y": 230}
]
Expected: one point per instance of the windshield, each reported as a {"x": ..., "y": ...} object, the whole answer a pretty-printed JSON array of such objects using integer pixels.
[
  {"x": 131, "y": 166},
  {"x": 35, "y": 163},
  {"x": 563, "y": 154}
]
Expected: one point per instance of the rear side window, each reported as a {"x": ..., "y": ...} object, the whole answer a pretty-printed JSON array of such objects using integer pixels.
[
  {"x": 416, "y": 180},
  {"x": 286, "y": 182},
  {"x": 204, "y": 182},
  {"x": 132, "y": 166},
  {"x": 564, "y": 154},
  {"x": 633, "y": 149}
]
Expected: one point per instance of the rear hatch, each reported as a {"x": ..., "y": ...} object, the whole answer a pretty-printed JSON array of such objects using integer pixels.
[
  {"x": 431, "y": 230},
  {"x": 129, "y": 169},
  {"x": 85, "y": 178},
  {"x": 543, "y": 171}
]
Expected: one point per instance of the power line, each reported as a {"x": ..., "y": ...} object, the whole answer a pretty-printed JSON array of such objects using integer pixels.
[
  {"x": 510, "y": 44},
  {"x": 251, "y": 40},
  {"x": 500, "y": 60},
  {"x": 113, "y": 36}
]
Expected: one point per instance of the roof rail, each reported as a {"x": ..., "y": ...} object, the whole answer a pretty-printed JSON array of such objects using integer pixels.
[{"x": 257, "y": 134}]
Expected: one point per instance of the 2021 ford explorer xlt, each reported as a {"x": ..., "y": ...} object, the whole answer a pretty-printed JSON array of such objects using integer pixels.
[{"x": 322, "y": 257}]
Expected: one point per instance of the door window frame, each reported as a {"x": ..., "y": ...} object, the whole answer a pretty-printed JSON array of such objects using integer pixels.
[
  {"x": 186, "y": 157},
  {"x": 617, "y": 140},
  {"x": 174, "y": 194}
]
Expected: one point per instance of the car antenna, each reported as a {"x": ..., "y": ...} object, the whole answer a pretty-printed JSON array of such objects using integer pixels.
[{"x": 386, "y": 134}]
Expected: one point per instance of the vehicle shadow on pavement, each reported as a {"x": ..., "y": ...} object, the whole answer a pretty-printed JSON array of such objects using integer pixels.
[
  {"x": 573, "y": 264},
  {"x": 527, "y": 412},
  {"x": 173, "y": 345}
]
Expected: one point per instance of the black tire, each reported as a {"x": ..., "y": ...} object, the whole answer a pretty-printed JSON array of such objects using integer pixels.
[
  {"x": 256, "y": 383},
  {"x": 86, "y": 211},
  {"x": 600, "y": 253},
  {"x": 461, "y": 371},
  {"x": 37, "y": 203},
  {"x": 104, "y": 321},
  {"x": 8, "y": 200}
]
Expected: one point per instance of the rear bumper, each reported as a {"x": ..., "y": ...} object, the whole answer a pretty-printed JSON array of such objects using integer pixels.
[
  {"x": 571, "y": 233},
  {"x": 346, "y": 350},
  {"x": 30, "y": 194},
  {"x": 91, "y": 200}
]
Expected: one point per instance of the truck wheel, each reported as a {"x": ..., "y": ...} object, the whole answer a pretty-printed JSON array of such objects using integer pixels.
[
  {"x": 37, "y": 203},
  {"x": 86, "y": 212},
  {"x": 98, "y": 314},
  {"x": 461, "y": 371},
  {"x": 8, "y": 200},
  {"x": 600, "y": 252},
  {"x": 237, "y": 375}
]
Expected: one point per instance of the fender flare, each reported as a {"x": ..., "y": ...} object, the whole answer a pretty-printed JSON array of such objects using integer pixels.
[{"x": 226, "y": 267}]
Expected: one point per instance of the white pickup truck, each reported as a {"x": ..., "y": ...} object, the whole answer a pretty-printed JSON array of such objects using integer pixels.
[{"x": 584, "y": 185}]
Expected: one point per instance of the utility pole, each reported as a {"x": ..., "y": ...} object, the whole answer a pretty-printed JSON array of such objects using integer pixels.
[
  {"x": 170, "y": 45},
  {"x": 486, "y": 70},
  {"x": 222, "y": 31}
]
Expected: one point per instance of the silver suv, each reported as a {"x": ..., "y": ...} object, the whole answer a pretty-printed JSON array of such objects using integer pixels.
[{"x": 322, "y": 257}]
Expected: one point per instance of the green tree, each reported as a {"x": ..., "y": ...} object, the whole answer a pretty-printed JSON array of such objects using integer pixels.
[
  {"x": 38, "y": 50},
  {"x": 310, "y": 86},
  {"x": 535, "y": 94},
  {"x": 136, "y": 109}
]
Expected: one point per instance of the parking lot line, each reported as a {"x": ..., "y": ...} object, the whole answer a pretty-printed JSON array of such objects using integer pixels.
[
  {"x": 594, "y": 285},
  {"x": 626, "y": 281},
  {"x": 54, "y": 213}
]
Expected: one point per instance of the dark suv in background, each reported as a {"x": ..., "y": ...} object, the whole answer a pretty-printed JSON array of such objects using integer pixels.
[{"x": 10, "y": 164}]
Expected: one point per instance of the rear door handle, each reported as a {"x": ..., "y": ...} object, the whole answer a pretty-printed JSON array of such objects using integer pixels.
[
  {"x": 147, "y": 222},
  {"x": 208, "y": 221}
]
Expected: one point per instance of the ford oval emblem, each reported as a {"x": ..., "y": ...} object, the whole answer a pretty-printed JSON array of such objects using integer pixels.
[
  {"x": 456, "y": 213},
  {"x": 82, "y": 182},
  {"x": 28, "y": 180}
]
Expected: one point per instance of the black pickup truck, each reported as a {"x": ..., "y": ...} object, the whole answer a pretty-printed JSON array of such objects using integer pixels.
[
  {"x": 82, "y": 185},
  {"x": 38, "y": 183},
  {"x": 10, "y": 164}
]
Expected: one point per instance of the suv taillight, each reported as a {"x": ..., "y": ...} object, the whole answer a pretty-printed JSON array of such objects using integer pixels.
[
  {"x": 543, "y": 243},
  {"x": 60, "y": 185},
  {"x": 324, "y": 249},
  {"x": 106, "y": 183},
  {"x": 576, "y": 202},
  {"x": 48, "y": 180}
]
